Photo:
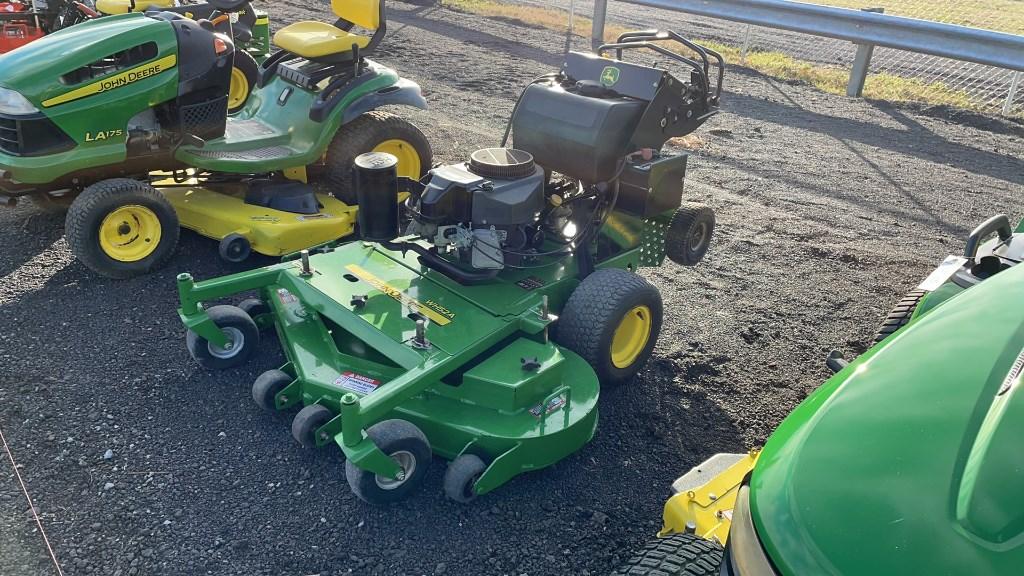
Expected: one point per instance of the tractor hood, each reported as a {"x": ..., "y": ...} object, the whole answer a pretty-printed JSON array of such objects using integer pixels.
[
  {"x": 909, "y": 460},
  {"x": 39, "y": 71}
]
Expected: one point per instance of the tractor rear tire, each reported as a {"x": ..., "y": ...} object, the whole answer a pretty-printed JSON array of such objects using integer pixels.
[
  {"x": 612, "y": 320},
  {"x": 689, "y": 234},
  {"x": 461, "y": 476},
  {"x": 306, "y": 422},
  {"x": 244, "y": 73},
  {"x": 675, "y": 555},
  {"x": 375, "y": 131},
  {"x": 121, "y": 228},
  {"x": 235, "y": 324},
  {"x": 900, "y": 314},
  {"x": 267, "y": 386},
  {"x": 404, "y": 442}
]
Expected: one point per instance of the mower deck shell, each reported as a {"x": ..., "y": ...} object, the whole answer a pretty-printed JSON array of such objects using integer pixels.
[
  {"x": 470, "y": 389},
  {"x": 217, "y": 214}
]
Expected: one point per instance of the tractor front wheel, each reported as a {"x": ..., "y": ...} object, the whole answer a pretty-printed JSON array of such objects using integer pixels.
[
  {"x": 408, "y": 447},
  {"x": 375, "y": 132},
  {"x": 121, "y": 228},
  {"x": 612, "y": 320},
  {"x": 900, "y": 314},
  {"x": 242, "y": 334}
]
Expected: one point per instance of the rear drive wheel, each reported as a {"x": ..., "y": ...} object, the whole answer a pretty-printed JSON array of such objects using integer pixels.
[
  {"x": 375, "y": 132},
  {"x": 240, "y": 330},
  {"x": 307, "y": 421},
  {"x": 900, "y": 314},
  {"x": 405, "y": 444},
  {"x": 675, "y": 555},
  {"x": 244, "y": 72},
  {"x": 689, "y": 234},
  {"x": 612, "y": 320},
  {"x": 121, "y": 228}
]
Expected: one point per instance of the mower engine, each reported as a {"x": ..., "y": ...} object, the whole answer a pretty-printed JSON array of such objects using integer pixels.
[{"x": 476, "y": 211}]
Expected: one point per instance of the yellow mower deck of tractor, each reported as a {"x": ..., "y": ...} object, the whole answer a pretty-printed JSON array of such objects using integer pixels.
[
  {"x": 706, "y": 495},
  {"x": 271, "y": 232}
]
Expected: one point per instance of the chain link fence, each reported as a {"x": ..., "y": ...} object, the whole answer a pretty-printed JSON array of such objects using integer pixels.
[{"x": 988, "y": 89}]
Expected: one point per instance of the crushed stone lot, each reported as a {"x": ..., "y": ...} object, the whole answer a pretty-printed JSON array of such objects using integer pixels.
[{"x": 829, "y": 209}]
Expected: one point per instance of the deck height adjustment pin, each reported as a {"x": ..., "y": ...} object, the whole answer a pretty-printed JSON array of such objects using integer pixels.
[
  {"x": 306, "y": 269},
  {"x": 420, "y": 339}
]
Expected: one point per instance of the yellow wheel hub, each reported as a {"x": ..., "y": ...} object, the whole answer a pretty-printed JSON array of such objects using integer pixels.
[
  {"x": 408, "y": 159},
  {"x": 238, "y": 90},
  {"x": 130, "y": 233},
  {"x": 631, "y": 336}
]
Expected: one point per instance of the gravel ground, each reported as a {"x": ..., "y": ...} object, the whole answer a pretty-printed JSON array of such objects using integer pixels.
[{"x": 828, "y": 209}]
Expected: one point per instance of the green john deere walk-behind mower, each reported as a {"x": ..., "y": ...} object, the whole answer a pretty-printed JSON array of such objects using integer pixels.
[
  {"x": 484, "y": 332},
  {"x": 124, "y": 119}
]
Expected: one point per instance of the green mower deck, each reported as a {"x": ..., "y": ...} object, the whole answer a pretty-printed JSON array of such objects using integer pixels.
[{"x": 488, "y": 381}]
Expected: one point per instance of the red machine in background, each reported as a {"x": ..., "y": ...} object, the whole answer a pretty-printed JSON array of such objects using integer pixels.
[
  {"x": 21, "y": 25},
  {"x": 22, "y": 21}
]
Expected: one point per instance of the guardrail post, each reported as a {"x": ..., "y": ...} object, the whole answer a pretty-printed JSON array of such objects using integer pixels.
[
  {"x": 861, "y": 64},
  {"x": 597, "y": 29},
  {"x": 1012, "y": 94}
]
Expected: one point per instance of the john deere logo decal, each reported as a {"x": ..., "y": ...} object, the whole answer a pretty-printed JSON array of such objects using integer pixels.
[{"x": 609, "y": 76}]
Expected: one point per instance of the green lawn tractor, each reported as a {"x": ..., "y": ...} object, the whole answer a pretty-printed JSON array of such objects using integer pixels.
[
  {"x": 907, "y": 461},
  {"x": 483, "y": 333},
  {"x": 239, "y": 20},
  {"x": 983, "y": 258},
  {"x": 124, "y": 120}
]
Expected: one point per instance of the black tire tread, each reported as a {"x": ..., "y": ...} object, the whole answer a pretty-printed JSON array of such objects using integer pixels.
[
  {"x": 676, "y": 237},
  {"x": 307, "y": 421},
  {"x": 900, "y": 314},
  {"x": 224, "y": 315},
  {"x": 390, "y": 436},
  {"x": 677, "y": 554},
  {"x": 594, "y": 307},
  {"x": 461, "y": 471},
  {"x": 266, "y": 387},
  {"x": 362, "y": 135},
  {"x": 85, "y": 246}
]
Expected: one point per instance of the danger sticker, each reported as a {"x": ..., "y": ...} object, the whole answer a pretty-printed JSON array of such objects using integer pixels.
[
  {"x": 357, "y": 383},
  {"x": 286, "y": 297},
  {"x": 553, "y": 404}
]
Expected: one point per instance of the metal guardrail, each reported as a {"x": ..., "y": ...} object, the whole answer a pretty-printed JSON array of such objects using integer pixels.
[{"x": 865, "y": 28}]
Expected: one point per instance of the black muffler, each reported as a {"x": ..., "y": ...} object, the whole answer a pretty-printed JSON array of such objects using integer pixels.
[{"x": 375, "y": 178}]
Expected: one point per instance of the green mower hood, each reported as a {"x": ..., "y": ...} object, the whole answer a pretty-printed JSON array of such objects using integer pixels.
[
  {"x": 908, "y": 461},
  {"x": 85, "y": 84},
  {"x": 39, "y": 71}
]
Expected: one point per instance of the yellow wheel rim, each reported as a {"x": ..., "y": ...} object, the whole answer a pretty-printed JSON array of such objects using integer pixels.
[
  {"x": 130, "y": 233},
  {"x": 631, "y": 336},
  {"x": 238, "y": 90},
  {"x": 409, "y": 164}
]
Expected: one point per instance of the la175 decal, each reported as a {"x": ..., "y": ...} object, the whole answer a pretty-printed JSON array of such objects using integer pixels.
[{"x": 103, "y": 135}]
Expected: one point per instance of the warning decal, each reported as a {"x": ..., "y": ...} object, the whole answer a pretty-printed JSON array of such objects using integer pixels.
[{"x": 357, "y": 383}]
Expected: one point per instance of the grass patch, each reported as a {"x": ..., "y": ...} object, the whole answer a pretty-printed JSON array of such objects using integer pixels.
[{"x": 830, "y": 79}]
